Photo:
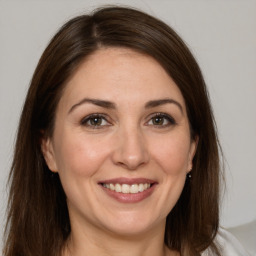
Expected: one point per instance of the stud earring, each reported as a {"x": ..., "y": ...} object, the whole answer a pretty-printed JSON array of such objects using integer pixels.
[{"x": 189, "y": 174}]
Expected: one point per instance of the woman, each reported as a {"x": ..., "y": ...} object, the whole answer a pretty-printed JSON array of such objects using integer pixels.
[{"x": 116, "y": 151}]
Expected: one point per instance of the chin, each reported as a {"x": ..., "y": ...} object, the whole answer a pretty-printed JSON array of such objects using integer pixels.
[{"x": 127, "y": 224}]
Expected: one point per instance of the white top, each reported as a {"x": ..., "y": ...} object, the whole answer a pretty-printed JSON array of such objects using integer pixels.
[{"x": 229, "y": 245}]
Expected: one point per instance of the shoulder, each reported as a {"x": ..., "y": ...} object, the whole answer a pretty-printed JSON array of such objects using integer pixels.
[{"x": 228, "y": 244}]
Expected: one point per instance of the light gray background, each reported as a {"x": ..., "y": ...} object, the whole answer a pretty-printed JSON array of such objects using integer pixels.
[{"x": 221, "y": 34}]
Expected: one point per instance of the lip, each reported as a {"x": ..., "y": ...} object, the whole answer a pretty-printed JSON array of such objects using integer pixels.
[
  {"x": 128, "y": 181},
  {"x": 129, "y": 198}
]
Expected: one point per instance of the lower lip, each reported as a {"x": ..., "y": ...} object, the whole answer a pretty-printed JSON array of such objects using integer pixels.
[{"x": 130, "y": 198}]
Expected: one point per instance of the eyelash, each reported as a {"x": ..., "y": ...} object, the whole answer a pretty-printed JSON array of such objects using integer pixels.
[
  {"x": 84, "y": 121},
  {"x": 170, "y": 120}
]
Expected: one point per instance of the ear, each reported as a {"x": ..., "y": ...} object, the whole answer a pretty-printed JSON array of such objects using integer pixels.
[
  {"x": 192, "y": 152},
  {"x": 48, "y": 153}
]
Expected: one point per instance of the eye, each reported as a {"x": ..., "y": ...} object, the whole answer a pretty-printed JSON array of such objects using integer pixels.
[
  {"x": 95, "y": 121},
  {"x": 161, "y": 120}
]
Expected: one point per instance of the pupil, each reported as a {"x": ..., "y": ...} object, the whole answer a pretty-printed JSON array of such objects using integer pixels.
[
  {"x": 158, "y": 120},
  {"x": 96, "y": 121}
]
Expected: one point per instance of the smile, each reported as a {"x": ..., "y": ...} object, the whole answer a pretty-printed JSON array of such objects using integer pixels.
[{"x": 126, "y": 188}]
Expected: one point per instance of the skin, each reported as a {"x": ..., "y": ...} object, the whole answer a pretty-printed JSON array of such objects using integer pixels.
[{"x": 128, "y": 141}]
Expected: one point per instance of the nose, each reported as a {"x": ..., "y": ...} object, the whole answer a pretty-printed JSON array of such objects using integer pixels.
[{"x": 131, "y": 150}]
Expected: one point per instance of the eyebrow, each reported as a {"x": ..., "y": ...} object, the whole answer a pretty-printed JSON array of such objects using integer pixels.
[
  {"x": 156, "y": 103},
  {"x": 97, "y": 102},
  {"x": 111, "y": 105}
]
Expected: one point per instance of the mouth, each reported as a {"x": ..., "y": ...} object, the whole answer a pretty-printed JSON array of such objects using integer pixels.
[{"x": 127, "y": 190}]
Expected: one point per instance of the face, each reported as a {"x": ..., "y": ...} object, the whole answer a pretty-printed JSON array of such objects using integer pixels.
[{"x": 121, "y": 143}]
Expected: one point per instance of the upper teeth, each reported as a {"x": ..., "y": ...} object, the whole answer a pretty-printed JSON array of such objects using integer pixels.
[{"x": 125, "y": 188}]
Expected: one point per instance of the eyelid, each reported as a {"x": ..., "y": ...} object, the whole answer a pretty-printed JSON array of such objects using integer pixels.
[
  {"x": 95, "y": 115},
  {"x": 170, "y": 119}
]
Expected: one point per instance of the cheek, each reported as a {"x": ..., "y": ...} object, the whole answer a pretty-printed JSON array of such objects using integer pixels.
[
  {"x": 79, "y": 155},
  {"x": 173, "y": 154}
]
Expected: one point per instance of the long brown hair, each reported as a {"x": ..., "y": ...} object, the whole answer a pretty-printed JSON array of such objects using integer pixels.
[{"x": 38, "y": 220}]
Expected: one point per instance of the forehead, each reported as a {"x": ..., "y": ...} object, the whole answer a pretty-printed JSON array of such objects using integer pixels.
[{"x": 120, "y": 74}]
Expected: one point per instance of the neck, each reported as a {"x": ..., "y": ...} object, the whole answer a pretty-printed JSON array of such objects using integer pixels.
[{"x": 105, "y": 243}]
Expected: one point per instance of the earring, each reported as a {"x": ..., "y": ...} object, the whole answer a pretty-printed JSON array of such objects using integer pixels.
[{"x": 189, "y": 174}]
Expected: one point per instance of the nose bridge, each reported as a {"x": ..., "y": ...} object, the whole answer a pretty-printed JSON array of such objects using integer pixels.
[{"x": 131, "y": 151}]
